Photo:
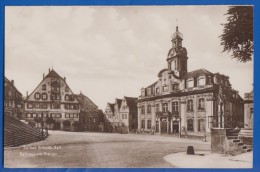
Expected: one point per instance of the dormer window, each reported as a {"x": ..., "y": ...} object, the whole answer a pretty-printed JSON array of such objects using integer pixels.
[
  {"x": 175, "y": 87},
  {"x": 165, "y": 88},
  {"x": 157, "y": 90},
  {"x": 190, "y": 83},
  {"x": 143, "y": 93},
  {"x": 201, "y": 81},
  {"x": 149, "y": 91}
]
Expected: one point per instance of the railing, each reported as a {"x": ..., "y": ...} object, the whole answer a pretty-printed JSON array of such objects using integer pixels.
[{"x": 224, "y": 122}]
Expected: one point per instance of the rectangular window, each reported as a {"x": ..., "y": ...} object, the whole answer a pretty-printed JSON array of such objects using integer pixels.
[
  {"x": 44, "y": 105},
  {"x": 34, "y": 115},
  {"x": 29, "y": 115},
  {"x": 175, "y": 87},
  {"x": 39, "y": 115},
  {"x": 190, "y": 125},
  {"x": 175, "y": 106},
  {"x": 190, "y": 105},
  {"x": 143, "y": 124},
  {"x": 148, "y": 108},
  {"x": 201, "y": 81},
  {"x": 67, "y": 115},
  {"x": 190, "y": 83},
  {"x": 44, "y": 115},
  {"x": 30, "y": 106},
  {"x": 142, "y": 109},
  {"x": 149, "y": 124},
  {"x": 201, "y": 104},
  {"x": 201, "y": 125},
  {"x": 157, "y": 107},
  {"x": 71, "y": 115},
  {"x": 165, "y": 107}
]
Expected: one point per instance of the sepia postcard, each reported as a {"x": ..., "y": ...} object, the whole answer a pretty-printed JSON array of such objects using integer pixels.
[{"x": 128, "y": 86}]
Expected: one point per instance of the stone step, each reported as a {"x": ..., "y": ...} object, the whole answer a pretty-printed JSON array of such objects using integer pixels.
[
  {"x": 249, "y": 150},
  {"x": 232, "y": 137},
  {"x": 239, "y": 144},
  {"x": 236, "y": 141}
]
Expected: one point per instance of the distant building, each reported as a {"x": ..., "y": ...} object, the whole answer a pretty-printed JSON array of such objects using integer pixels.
[
  {"x": 188, "y": 102},
  {"x": 53, "y": 100},
  {"x": 121, "y": 114},
  {"x": 128, "y": 113},
  {"x": 13, "y": 101},
  {"x": 249, "y": 109},
  {"x": 91, "y": 118}
]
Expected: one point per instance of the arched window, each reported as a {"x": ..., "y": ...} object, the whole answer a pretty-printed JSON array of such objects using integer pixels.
[
  {"x": 190, "y": 105},
  {"x": 37, "y": 95}
]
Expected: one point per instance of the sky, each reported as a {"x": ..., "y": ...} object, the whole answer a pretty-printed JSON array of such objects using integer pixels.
[{"x": 111, "y": 52}]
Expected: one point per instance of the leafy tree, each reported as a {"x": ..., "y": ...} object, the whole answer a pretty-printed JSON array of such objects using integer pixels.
[{"x": 238, "y": 33}]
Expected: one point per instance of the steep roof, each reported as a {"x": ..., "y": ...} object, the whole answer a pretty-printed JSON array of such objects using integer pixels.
[
  {"x": 54, "y": 74},
  {"x": 119, "y": 102},
  {"x": 111, "y": 105},
  {"x": 197, "y": 73},
  {"x": 131, "y": 102},
  {"x": 85, "y": 102},
  {"x": 12, "y": 85}
]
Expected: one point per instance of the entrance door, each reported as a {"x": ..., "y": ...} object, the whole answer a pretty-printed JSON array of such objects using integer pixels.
[
  {"x": 164, "y": 126},
  {"x": 175, "y": 127},
  {"x": 157, "y": 126}
]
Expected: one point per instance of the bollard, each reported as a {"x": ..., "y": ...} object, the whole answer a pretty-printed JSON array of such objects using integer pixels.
[{"x": 190, "y": 150}]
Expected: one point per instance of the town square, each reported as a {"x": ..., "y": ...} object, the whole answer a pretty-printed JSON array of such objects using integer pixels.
[{"x": 122, "y": 87}]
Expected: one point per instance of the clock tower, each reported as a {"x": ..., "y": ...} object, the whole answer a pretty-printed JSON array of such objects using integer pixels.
[{"x": 177, "y": 55}]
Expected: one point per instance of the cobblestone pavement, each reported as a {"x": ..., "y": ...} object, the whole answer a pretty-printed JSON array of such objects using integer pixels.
[{"x": 74, "y": 149}]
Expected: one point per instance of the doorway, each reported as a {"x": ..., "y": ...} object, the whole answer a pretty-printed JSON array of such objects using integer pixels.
[{"x": 175, "y": 127}]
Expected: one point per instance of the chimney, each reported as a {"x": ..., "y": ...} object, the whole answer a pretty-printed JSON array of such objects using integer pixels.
[
  {"x": 43, "y": 75},
  {"x": 65, "y": 79},
  {"x": 27, "y": 94},
  {"x": 49, "y": 69},
  {"x": 12, "y": 81}
]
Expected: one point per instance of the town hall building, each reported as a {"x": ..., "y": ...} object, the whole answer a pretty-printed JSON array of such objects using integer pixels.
[{"x": 188, "y": 102}]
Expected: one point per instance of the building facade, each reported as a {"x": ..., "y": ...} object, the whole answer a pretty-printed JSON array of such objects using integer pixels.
[
  {"x": 13, "y": 101},
  {"x": 121, "y": 116},
  {"x": 53, "y": 102},
  {"x": 90, "y": 117},
  {"x": 128, "y": 113},
  {"x": 249, "y": 110},
  {"x": 188, "y": 102}
]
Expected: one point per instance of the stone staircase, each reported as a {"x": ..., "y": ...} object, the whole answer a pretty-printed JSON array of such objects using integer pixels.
[
  {"x": 234, "y": 145},
  {"x": 18, "y": 133}
]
